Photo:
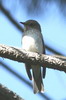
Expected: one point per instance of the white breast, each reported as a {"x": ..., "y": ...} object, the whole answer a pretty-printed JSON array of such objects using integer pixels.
[
  {"x": 28, "y": 43},
  {"x": 32, "y": 42}
]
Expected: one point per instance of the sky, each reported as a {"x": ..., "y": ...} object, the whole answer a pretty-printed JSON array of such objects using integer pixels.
[{"x": 54, "y": 32}]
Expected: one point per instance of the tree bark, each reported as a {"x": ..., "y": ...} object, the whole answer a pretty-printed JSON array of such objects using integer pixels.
[
  {"x": 6, "y": 94},
  {"x": 21, "y": 55}
]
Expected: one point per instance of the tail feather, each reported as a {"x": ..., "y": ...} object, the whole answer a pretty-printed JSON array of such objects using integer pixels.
[
  {"x": 28, "y": 67},
  {"x": 44, "y": 72},
  {"x": 37, "y": 79}
]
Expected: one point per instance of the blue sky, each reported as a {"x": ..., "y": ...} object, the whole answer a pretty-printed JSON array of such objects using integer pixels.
[{"x": 54, "y": 32}]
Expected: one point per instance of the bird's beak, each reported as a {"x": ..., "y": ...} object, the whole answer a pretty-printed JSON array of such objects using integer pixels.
[{"x": 22, "y": 23}]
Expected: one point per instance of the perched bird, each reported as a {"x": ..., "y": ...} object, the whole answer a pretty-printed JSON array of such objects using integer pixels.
[{"x": 32, "y": 40}]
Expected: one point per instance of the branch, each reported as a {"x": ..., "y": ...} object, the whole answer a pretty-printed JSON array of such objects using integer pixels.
[
  {"x": 6, "y": 94},
  {"x": 21, "y": 55},
  {"x": 52, "y": 50},
  {"x": 8, "y": 15}
]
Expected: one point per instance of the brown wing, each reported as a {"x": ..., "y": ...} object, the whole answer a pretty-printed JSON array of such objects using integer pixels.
[
  {"x": 44, "y": 68},
  {"x": 28, "y": 67}
]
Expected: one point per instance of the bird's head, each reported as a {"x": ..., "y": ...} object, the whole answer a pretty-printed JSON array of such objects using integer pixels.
[{"x": 31, "y": 24}]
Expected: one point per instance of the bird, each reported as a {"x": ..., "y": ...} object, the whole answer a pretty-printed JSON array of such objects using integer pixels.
[{"x": 32, "y": 40}]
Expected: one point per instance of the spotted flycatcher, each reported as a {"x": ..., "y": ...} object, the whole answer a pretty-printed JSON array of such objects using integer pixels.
[{"x": 32, "y": 40}]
